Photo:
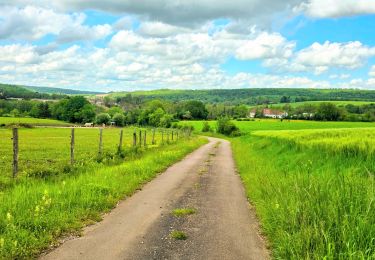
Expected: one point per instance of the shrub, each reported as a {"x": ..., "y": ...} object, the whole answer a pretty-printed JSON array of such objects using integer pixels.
[
  {"x": 103, "y": 118},
  {"x": 206, "y": 127},
  {"x": 119, "y": 119},
  {"x": 227, "y": 127}
]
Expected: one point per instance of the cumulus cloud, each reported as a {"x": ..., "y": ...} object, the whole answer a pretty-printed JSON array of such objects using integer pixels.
[
  {"x": 321, "y": 57},
  {"x": 32, "y": 23},
  {"x": 336, "y": 8},
  {"x": 265, "y": 46},
  {"x": 159, "y": 29},
  {"x": 187, "y": 13}
]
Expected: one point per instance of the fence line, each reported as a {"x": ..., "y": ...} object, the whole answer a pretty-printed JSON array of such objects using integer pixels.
[{"x": 140, "y": 141}]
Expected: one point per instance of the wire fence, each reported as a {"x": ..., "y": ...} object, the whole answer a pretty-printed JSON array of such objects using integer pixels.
[{"x": 29, "y": 151}]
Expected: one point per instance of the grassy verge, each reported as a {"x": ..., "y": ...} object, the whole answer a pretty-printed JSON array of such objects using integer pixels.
[
  {"x": 34, "y": 214},
  {"x": 312, "y": 203},
  {"x": 4, "y": 121}
]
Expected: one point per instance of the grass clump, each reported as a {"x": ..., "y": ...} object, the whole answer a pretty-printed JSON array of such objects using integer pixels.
[
  {"x": 178, "y": 235},
  {"x": 183, "y": 212}
]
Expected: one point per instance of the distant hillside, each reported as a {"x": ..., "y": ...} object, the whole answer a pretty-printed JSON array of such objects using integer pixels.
[
  {"x": 255, "y": 95},
  {"x": 62, "y": 91},
  {"x": 14, "y": 91},
  {"x": 18, "y": 91}
]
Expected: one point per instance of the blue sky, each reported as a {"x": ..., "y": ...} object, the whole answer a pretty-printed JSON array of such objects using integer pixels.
[{"x": 127, "y": 45}]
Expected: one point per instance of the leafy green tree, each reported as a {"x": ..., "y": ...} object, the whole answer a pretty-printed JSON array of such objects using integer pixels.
[
  {"x": 227, "y": 127},
  {"x": 87, "y": 114},
  {"x": 119, "y": 119},
  {"x": 328, "y": 111},
  {"x": 240, "y": 111},
  {"x": 14, "y": 113},
  {"x": 115, "y": 110},
  {"x": 197, "y": 109},
  {"x": 41, "y": 110},
  {"x": 166, "y": 121},
  {"x": 103, "y": 118},
  {"x": 154, "y": 118}
]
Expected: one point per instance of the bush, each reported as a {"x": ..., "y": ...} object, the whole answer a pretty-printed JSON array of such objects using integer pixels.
[
  {"x": 227, "y": 127},
  {"x": 103, "y": 118},
  {"x": 119, "y": 119},
  {"x": 206, "y": 127}
]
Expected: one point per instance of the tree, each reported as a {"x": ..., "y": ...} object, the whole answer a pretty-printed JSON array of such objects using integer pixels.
[
  {"x": 227, "y": 127},
  {"x": 285, "y": 99},
  {"x": 115, "y": 110},
  {"x": 154, "y": 118},
  {"x": 41, "y": 110},
  {"x": 87, "y": 114},
  {"x": 328, "y": 111},
  {"x": 166, "y": 121},
  {"x": 240, "y": 111},
  {"x": 197, "y": 109},
  {"x": 103, "y": 118},
  {"x": 69, "y": 109},
  {"x": 119, "y": 119}
]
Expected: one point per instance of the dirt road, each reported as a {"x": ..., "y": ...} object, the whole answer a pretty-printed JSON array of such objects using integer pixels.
[{"x": 223, "y": 226}]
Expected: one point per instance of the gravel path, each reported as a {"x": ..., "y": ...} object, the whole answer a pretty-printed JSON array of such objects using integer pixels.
[{"x": 223, "y": 226}]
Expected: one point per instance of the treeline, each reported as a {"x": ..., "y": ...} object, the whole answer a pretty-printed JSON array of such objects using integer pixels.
[
  {"x": 253, "y": 96},
  {"x": 13, "y": 91},
  {"x": 78, "y": 109},
  {"x": 327, "y": 111}
]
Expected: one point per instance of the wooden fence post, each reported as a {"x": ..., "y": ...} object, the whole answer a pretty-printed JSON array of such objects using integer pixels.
[
  {"x": 153, "y": 136},
  {"x": 72, "y": 142},
  {"x": 15, "y": 152},
  {"x": 120, "y": 144},
  {"x": 172, "y": 136},
  {"x": 177, "y": 135},
  {"x": 145, "y": 139},
  {"x": 100, "y": 141},
  {"x": 134, "y": 138},
  {"x": 167, "y": 136},
  {"x": 140, "y": 138}
]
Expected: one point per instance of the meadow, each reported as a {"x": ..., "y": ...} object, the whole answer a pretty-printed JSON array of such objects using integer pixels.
[
  {"x": 274, "y": 124},
  {"x": 49, "y": 200},
  {"x": 46, "y": 151},
  {"x": 4, "y": 121},
  {"x": 312, "y": 185}
]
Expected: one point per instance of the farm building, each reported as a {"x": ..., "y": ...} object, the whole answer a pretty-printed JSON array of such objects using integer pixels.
[{"x": 267, "y": 112}]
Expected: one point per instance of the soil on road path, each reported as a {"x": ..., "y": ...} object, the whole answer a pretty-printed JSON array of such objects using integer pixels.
[{"x": 222, "y": 227}]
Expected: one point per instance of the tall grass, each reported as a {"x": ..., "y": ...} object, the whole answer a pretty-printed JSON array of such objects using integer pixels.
[
  {"x": 312, "y": 203},
  {"x": 46, "y": 151},
  {"x": 36, "y": 212}
]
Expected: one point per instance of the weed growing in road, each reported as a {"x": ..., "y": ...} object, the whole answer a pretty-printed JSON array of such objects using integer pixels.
[
  {"x": 178, "y": 235},
  {"x": 183, "y": 212}
]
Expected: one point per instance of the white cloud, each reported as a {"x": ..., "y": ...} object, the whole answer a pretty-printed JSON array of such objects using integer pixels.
[
  {"x": 372, "y": 71},
  {"x": 322, "y": 57},
  {"x": 186, "y": 13},
  {"x": 337, "y": 8},
  {"x": 265, "y": 46},
  {"x": 32, "y": 23},
  {"x": 159, "y": 29}
]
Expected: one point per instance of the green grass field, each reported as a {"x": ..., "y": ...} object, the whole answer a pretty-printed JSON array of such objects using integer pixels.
[
  {"x": 46, "y": 151},
  {"x": 273, "y": 124},
  {"x": 49, "y": 198},
  {"x": 337, "y": 103},
  {"x": 312, "y": 184},
  {"x": 31, "y": 121}
]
